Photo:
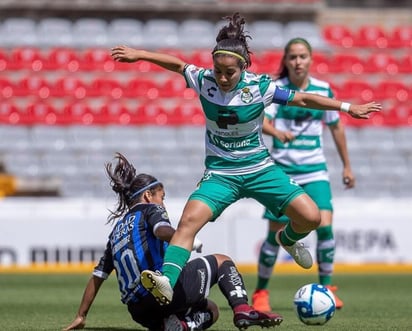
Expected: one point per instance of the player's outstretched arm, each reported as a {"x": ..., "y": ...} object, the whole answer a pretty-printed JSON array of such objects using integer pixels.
[
  {"x": 166, "y": 61},
  {"x": 316, "y": 101},
  {"x": 90, "y": 292}
]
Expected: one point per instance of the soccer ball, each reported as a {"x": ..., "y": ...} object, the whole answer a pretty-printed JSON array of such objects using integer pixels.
[{"x": 314, "y": 304}]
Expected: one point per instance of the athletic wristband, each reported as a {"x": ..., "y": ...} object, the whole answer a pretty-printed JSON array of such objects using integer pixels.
[{"x": 344, "y": 107}]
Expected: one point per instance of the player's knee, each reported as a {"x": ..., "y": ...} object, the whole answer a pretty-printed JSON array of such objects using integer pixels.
[
  {"x": 221, "y": 258},
  {"x": 304, "y": 213},
  {"x": 312, "y": 218}
]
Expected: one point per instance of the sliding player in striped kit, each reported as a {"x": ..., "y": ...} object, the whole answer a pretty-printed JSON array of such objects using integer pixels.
[
  {"x": 238, "y": 164},
  {"x": 297, "y": 149}
]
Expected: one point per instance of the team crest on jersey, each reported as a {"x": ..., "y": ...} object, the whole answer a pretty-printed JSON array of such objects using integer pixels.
[{"x": 246, "y": 96}]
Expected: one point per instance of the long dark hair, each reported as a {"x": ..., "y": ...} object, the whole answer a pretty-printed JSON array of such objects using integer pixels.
[
  {"x": 128, "y": 185},
  {"x": 233, "y": 39}
]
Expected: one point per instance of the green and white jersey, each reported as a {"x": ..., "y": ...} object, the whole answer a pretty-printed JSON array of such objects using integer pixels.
[
  {"x": 303, "y": 158},
  {"x": 233, "y": 140}
]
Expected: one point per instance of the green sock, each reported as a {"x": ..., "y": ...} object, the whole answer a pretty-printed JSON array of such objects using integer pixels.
[
  {"x": 174, "y": 260},
  {"x": 271, "y": 238},
  {"x": 325, "y": 252},
  {"x": 267, "y": 259},
  {"x": 288, "y": 236}
]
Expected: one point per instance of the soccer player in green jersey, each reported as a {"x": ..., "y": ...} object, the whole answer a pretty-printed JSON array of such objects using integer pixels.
[
  {"x": 238, "y": 164},
  {"x": 297, "y": 149}
]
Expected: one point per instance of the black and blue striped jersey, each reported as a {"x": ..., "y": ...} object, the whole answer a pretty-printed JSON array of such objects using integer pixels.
[{"x": 132, "y": 247}]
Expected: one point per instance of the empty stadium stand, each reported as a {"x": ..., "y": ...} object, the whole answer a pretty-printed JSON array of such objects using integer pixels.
[{"x": 66, "y": 107}]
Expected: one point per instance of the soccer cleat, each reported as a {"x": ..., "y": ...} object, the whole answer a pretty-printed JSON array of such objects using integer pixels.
[
  {"x": 338, "y": 302},
  {"x": 173, "y": 323},
  {"x": 244, "y": 319},
  {"x": 300, "y": 254},
  {"x": 158, "y": 285},
  {"x": 197, "y": 320},
  {"x": 260, "y": 300}
]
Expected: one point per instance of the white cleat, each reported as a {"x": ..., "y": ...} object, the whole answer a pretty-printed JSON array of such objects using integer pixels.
[
  {"x": 158, "y": 285},
  {"x": 300, "y": 254}
]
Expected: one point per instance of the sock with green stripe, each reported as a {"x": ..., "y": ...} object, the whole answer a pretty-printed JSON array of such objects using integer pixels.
[
  {"x": 174, "y": 261},
  {"x": 288, "y": 236},
  {"x": 267, "y": 259},
  {"x": 325, "y": 252}
]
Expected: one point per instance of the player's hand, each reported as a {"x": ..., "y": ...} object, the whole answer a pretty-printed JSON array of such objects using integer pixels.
[
  {"x": 348, "y": 179},
  {"x": 363, "y": 111},
  {"x": 197, "y": 245},
  {"x": 284, "y": 136},
  {"x": 78, "y": 323},
  {"x": 125, "y": 54}
]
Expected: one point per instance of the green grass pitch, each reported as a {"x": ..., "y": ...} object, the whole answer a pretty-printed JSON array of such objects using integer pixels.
[{"x": 373, "y": 302}]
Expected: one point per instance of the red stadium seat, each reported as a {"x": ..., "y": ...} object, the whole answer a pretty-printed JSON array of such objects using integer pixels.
[
  {"x": 116, "y": 112},
  {"x": 32, "y": 86},
  {"x": 79, "y": 112},
  {"x": 27, "y": 58},
  {"x": 381, "y": 63},
  {"x": 145, "y": 67},
  {"x": 338, "y": 35},
  {"x": 201, "y": 58},
  {"x": 358, "y": 90},
  {"x": 152, "y": 113},
  {"x": 405, "y": 64},
  {"x": 371, "y": 36},
  {"x": 7, "y": 87},
  {"x": 400, "y": 114},
  {"x": 10, "y": 113},
  {"x": 68, "y": 87},
  {"x": 376, "y": 119},
  {"x": 267, "y": 62},
  {"x": 124, "y": 66},
  {"x": 346, "y": 63},
  {"x": 400, "y": 36},
  {"x": 97, "y": 59},
  {"x": 172, "y": 87},
  {"x": 187, "y": 113},
  {"x": 176, "y": 87},
  {"x": 44, "y": 113},
  {"x": 141, "y": 88},
  {"x": 105, "y": 87},
  {"x": 61, "y": 59},
  {"x": 4, "y": 60},
  {"x": 393, "y": 89},
  {"x": 320, "y": 63}
]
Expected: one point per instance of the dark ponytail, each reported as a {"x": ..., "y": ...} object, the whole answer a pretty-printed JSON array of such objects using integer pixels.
[
  {"x": 128, "y": 186},
  {"x": 232, "y": 40}
]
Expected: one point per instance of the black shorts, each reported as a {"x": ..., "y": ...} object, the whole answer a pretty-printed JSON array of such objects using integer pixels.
[{"x": 190, "y": 291}]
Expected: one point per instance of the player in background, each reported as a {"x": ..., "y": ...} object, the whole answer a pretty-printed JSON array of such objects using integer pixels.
[
  {"x": 297, "y": 148},
  {"x": 140, "y": 235},
  {"x": 238, "y": 164}
]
